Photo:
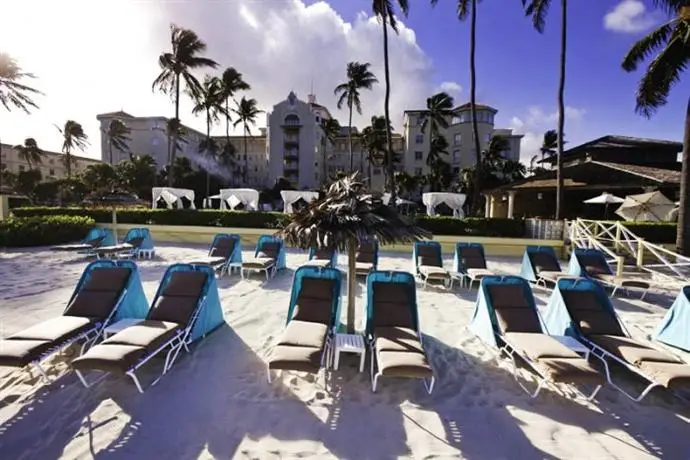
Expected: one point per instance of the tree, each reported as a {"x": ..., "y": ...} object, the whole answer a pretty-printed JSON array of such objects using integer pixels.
[
  {"x": 246, "y": 111},
  {"x": 118, "y": 137},
  {"x": 440, "y": 169},
  {"x": 358, "y": 77},
  {"x": 14, "y": 94},
  {"x": 330, "y": 128},
  {"x": 176, "y": 67},
  {"x": 30, "y": 152},
  {"x": 233, "y": 82},
  {"x": 73, "y": 136},
  {"x": 537, "y": 9},
  {"x": 671, "y": 43},
  {"x": 210, "y": 103},
  {"x": 100, "y": 175},
  {"x": 439, "y": 108},
  {"x": 549, "y": 144},
  {"x": 373, "y": 140},
  {"x": 137, "y": 174},
  {"x": 383, "y": 10}
]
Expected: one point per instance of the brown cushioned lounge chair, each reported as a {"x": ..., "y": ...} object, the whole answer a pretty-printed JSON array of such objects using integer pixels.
[
  {"x": 365, "y": 259},
  {"x": 128, "y": 248},
  {"x": 91, "y": 309},
  {"x": 596, "y": 268},
  {"x": 88, "y": 245},
  {"x": 265, "y": 260},
  {"x": 473, "y": 264},
  {"x": 305, "y": 345},
  {"x": 546, "y": 267},
  {"x": 520, "y": 335},
  {"x": 395, "y": 339},
  {"x": 429, "y": 263},
  {"x": 602, "y": 331},
  {"x": 167, "y": 327},
  {"x": 219, "y": 255},
  {"x": 321, "y": 258}
]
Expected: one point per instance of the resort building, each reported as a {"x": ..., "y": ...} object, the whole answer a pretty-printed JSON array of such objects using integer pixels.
[{"x": 52, "y": 165}]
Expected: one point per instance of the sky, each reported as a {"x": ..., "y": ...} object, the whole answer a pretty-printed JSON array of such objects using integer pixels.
[{"x": 93, "y": 57}]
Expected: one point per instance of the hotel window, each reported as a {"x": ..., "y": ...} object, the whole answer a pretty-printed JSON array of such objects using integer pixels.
[
  {"x": 456, "y": 171},
  {"x": 457, "y": 139},
  {"x": 456, "y": 156},
  {"x": 417, "y": 171},
  {"x": 419, "y": 139},
  {"x": 419, "y": 156}
]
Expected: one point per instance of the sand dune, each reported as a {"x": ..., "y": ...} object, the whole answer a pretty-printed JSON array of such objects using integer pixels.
[{"x": 217, "y": 402}]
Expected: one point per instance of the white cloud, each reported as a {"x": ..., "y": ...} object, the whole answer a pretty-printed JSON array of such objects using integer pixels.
[
  {"x": 92, "y": 65},
  {"x": 452, "y": 88},
  {"x": 629, "y": 16}
]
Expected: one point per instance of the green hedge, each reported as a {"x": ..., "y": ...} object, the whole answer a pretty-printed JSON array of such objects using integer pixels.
[
  {"x": 43, "y": 230},
  {"x": 508, "y": 228},
  {"x": 654, "y": 232}
]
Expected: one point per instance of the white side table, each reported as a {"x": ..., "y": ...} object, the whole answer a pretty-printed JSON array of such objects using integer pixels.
[
  {"x": 349, "y": 343},
  {"x": 573, "y": 344},
  {"x": 119, "y": 326}
]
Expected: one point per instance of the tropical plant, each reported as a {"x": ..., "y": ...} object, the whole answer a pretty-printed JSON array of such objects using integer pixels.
[
  {"x": 537, "y": 9},
  {"x": 671, "y": 43},
  {"x": 209, "y": 102},
  {"x": 358, "y": 77},
  {"x": 373, "y": 141},
  {"x": 247, "y": 110},
  {"x": 176, "y": 68},
  {"x": 439, "y": 167},
  {"x": 345, "y": 215},
  {"x": 138, "y": 174},
  {"x": 330, "y": 128},
  {"x": 439, "y": 109},
  {"x": 14, "y": 94},
  {"x": 549, "y": 144},
  {"x": 99, "y": 175},
  {"x": 232, "y": 82},
  {"x": 177, "y": 134},
  {"x": 384, "y": 11},
  {"x": 73, "y": 136},
  {"x": 117, "y": 135},
  {"x": 30, "y": 152}
]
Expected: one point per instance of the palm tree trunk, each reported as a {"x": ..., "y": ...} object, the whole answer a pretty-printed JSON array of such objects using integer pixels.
[
  {"x": 246, "y": 160},
  {"x": 683, "y": 227},
  {"x": 110, "y": 151},
  {"x": 349, "y": 140},
  {"x": 386, "y": 112},
  {"x": 476, "y": 190},
  {"x": 351, "y": 285},
  {"x": 561, "y": 111},
  {"x": 68, "y": 163},
  {"x": 172, "y": 141},
  {"x": 227, "y": 135},
  {"x": 208, "y": 152}
]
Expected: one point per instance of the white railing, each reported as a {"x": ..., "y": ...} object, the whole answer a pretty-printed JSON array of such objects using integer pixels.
[{"x": 617, "y": 242}]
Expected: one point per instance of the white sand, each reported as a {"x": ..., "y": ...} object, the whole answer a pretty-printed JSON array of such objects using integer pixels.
[{"x": 217, "y": 403}]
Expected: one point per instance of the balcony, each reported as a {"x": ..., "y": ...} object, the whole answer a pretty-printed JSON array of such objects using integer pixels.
[
  {"x": 290, "y": 140},
  {"x": 291, "y": 155}
]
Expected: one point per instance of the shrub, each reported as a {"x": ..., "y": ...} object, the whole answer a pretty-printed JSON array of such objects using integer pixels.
[
  {"x": 43, "y": 230},
  {"x": 439, "y": 225},
  {"x": 654, "y": 232}
]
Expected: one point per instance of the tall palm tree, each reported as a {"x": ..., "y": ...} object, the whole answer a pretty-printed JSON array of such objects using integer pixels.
[
  {"x": 358, "y": 77},
  {"x": 549, "y": 144},
  {"x": 438, "y": 149},
  {"x": 118, "y": 137},
  {"x": 14, "y": 94},
  {"x": 210, "y": 103},
  {"x": 233, "y": 82},
  {"x": 176, "y": 68},
  {"x": 331, "y": 130},
  {"x": 30, "y": 152},
  {"x": 671, "y": 43},
  {"x": 246, "y": 111},
  {"x": 537, "y": 9},
  {"x": 73, "y": 136},
  {"x": 384, "y": 11},
  {"x": 373, "y": 139},
  {"x": 439, "y": 109}
]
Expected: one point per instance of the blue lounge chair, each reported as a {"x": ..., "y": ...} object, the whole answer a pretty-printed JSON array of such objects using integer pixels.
[
  {"x": 470, "y": 263},
  {"x": 269, "y": 257},
  {"x": 225, "y": 252},
  {"x": 427, "y": 258}
]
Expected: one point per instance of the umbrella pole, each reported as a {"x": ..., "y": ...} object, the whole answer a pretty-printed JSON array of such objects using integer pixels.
[{"x": 351, "y": 285}]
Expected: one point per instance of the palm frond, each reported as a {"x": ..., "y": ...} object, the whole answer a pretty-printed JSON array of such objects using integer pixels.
[
  {"x": 537, "y": 10},
  {"x": 644, "y": 48},
  {"x": 14, "y": 94}
]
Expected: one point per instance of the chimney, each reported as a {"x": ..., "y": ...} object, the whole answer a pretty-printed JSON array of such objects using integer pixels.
[{"x": 311, "y": 98}]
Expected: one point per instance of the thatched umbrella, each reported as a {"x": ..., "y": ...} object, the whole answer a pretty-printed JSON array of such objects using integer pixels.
[
  {"x": 113, "y": 198},
  {"x": 345, "y": 215}
]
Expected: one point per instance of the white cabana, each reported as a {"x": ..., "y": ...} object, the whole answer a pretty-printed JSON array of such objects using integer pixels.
[
  {"x": 386, "y": 198},
  {"x": 291, "y": 197},
  {"x": 233, "y": 197},
  {"x": 208, "y": 201},
  {"x": 172, "y": 196},
  {"x": 453, "y": 200}
]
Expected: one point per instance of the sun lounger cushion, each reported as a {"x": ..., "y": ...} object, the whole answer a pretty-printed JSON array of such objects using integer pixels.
[
  {"x": 428, "y": 256},
  {"x": 304, "y": 334},
  {"x": 55, "y": 329},
  {"x": 622, "y": 281},
  {"x": 631, "y": 350},
  {"x": 670, "y": 375},
  {"x": 319, "y": 263},
  {"x": 300, "y": 359},
  {"x": 88, "y": 244},
  {"x": 259, "y": 263},
  {"x": 392, "y": 306},
  {"x": 366, "y": 253},
  {"x": 363, "y": 267},
  {"x": 323, "y": 254},
  {"x": 99, "y": 293},
  {"x": 544, "y": 262},
  {"x": 404, "y": 364},
  {"x": 212, "y": 261},
  {"x": 314, "y": 301},
  {"x": 551, "y": 275},
  {"x": 111, "y": 358},
  {"x": 569, "y": 370},
  {"x": 397, "y": 339},
  {"x": 472, "y": 257},
  {"x": 19, "y": 353},
  {"x": 433, "y": 272},
  {"x": 514, "y": 313},
  {"x": 589, "y": 315},
  {"x": 477, "y": 273},
  {"x": 539, "y": 345},
  {"x": 147, "y": 334}
]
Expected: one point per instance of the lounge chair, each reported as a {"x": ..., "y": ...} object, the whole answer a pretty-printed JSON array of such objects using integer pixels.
[
  {"x": 470, "y": 263},
  {"x": 506, "y": 313},
  {"x": 540, "y": 265},
  {"x": 674, "y": 329},
  {"x": 168, "y": 326},
  {"x": 322, "y": 257},
  {"x": 581, "y": 308},
  {"x": 96, "y": 238},
  {"x": 225, "y": 249},
  {"x": 91, "y": 308},
  {"x": 137, "y": 242},
  {"x": 313, "y": 314},
  {"x": 267, "y": 257},
  {"x": 392, "y": 329},
  {"x": 367, "y": 257},
  {"x": 428, "y": 260},
  {"x": 592, "y": 264}
]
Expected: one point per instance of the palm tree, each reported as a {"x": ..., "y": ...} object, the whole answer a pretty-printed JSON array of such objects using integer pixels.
[
  {"x": 439, "y": 108},
  {"x": 232, "y": 82},
  {"x": 373, "y": 139},
  {"x": 345, "y": 215},
  {"x": 246, "y": 112},
  {"x": 537, "y": 9},
  {"x": 331, "y": 130},
  {"x": 383, "y": 10},
  {"x": 30, "y": 152},
  {"x": 176, "y": 67},
  {"x": 670, "y": 42},
  {"x": 358, "y": 77},
  {"x": 549, "y": 144},
  {"x": 73, "y": 136},
  {"x": 118, "y": 136},
  {"x": 438, "y": 149},
  {"x": 14, "y": 94},
  {"x": 210, "y": 103}
]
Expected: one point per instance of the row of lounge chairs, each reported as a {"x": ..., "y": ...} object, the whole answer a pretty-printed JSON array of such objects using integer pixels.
[{"x": 99, "y": 242}]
